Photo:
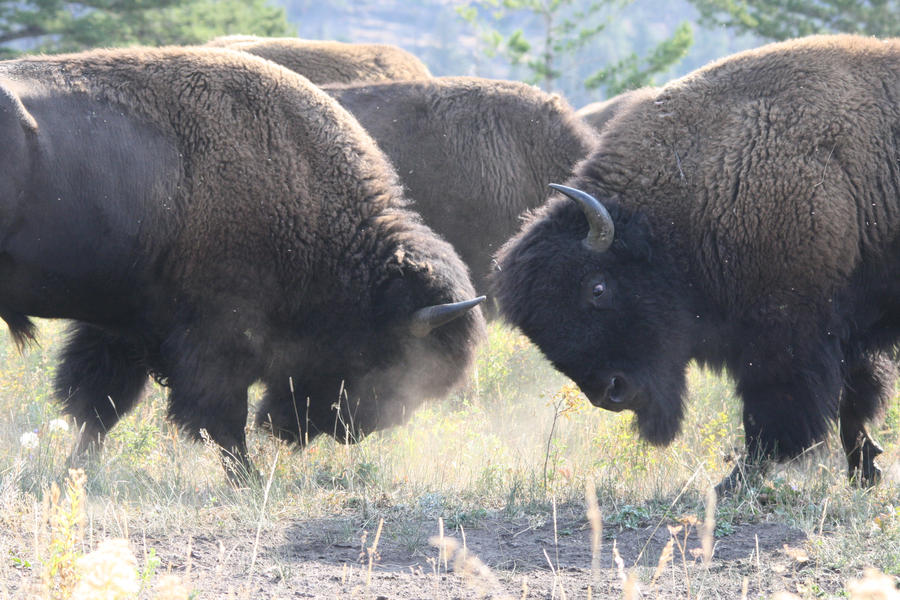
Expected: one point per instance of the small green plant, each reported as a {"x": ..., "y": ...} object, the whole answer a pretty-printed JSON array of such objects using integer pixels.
[
  {"x": 151, "y": 564},
  {"x": 629, "y": 517}
]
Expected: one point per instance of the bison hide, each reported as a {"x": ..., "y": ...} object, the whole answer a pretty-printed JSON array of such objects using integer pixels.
[
  {"x": 325, "y": 61},
  {"x": 473, "y": 154},
  {"x": 214, "y": 219},
  {"x": 747, "y": 216}
]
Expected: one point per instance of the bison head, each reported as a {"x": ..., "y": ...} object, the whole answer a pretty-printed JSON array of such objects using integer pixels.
[
  {"x": 406, "y": 336},
  {"x": 591, "y": 286}
]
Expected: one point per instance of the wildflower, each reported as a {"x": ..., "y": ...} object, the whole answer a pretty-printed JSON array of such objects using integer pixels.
[
  {"x": 29, "y": 440},
  {"x": 108, "y": 573},
  {"x": 170, "y": 587},
  {"x": 57, "y": 425}
]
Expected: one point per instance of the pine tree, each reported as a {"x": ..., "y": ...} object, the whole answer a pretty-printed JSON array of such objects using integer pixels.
[
  {"x": 61, "y": 26},
  {"x": 782, "y": 19},
  {"x": 566, "y": 28}
]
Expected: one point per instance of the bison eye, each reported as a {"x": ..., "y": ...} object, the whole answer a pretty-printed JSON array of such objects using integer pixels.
[{"x": 596, "y": 292}]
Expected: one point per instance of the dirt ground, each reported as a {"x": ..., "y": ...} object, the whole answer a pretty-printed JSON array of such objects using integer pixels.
[{"x": 516, "y": 558}]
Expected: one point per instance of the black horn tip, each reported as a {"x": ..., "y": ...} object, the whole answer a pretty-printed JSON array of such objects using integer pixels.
[{"x": 427, "y": 319}]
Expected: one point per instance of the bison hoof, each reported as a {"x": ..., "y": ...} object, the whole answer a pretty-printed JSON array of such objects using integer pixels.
[
  {"x": 867, "y": 477},
  {"x": 863, "y": 471},
  {"x": 744, "y": 472},
  {"x": 730, "y": 484}
]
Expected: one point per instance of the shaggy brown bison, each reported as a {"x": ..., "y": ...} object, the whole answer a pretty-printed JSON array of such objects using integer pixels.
[
  {"x": 473, "y": 154},
  {"x": 747, "y": 216},
  {"x": 214, "y": 219},
  {"x": 324, "y": 61}
]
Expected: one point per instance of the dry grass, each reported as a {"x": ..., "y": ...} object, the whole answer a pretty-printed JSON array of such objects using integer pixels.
[{"x": 515, "y": 445}]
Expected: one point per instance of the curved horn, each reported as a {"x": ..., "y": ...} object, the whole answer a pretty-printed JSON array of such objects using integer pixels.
[
  {"x": 429, "y": 318},
  {"x": 602, "y": 230}
]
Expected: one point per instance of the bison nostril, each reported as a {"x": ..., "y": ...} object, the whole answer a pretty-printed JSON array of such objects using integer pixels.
[{"x": 616, "y": 389}]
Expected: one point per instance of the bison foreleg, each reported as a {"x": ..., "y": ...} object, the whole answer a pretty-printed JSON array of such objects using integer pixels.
[
  {"x": 286, "y": 413},
  {"x": 747, "y": 470},
  {"x": 208, "y": 375}
]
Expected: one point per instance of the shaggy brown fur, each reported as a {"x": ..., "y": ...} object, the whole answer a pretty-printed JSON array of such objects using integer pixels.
[
  {"x": 323, "y": 61},
  {"x": 597, "y": 114},
  {"x": 215, "y": 219},
  {"x": 786, "y": 220},
  {"x": 473, "y": 154},
  {"x": 756, "y": 204}
]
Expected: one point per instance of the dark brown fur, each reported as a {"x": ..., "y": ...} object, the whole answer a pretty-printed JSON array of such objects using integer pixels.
[
  {"x": 324, "y": 61},
  {"x": 597, "y": 114},
  {"x": 473, "y": 154},
  {"x": 215, "y": 219},
  {"x": 756, "y": 204}
]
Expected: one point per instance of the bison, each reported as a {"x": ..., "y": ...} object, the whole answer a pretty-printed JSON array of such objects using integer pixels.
[
  {"x": 473, "y": 154},
  {"x": 323, "y": 61},
  {"x": 746, "y": 216},
  {"x": 214, "y": 220},
  {"x": 597, "y": 114}
]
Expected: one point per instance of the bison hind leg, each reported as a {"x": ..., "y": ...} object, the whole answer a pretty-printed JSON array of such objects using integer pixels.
[
  {"x": 99, "y": 379},
  {"x": 868, "y": 388}
]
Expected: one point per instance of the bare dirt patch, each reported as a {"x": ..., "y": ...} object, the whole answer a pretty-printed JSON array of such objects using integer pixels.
[{"x": 516, "y": 557}]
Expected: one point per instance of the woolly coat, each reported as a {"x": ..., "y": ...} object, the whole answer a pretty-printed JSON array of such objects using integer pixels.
[
  {"x": 224, "y": 221},
  {"x": 325, "y": 61},
  {"x": 473, "y": 154}
]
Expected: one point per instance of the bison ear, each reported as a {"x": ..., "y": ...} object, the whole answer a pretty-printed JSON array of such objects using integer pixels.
[{"x": 11, "y": 107}]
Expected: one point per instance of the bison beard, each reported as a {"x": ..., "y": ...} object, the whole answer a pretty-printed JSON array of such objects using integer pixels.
[
  {"x": 214, "y": 219},
  {"x": 747, "y": 217}
]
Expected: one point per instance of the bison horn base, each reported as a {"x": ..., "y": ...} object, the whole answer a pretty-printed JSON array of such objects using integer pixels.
[{"x": 602, "y": 230}]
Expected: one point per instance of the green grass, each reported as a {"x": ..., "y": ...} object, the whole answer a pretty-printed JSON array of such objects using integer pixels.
[{"x": 515, "y": 441}]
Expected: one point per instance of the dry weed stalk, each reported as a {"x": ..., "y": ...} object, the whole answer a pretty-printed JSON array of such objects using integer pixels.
[
  {"x": 665, "y": 557},
  {"x": 709, "y": 526},
  {"x": 474, "y": 572},
  {"x": 372, "y": 551},
  {"x": 556, "y": 578},
  {"x": 595, "y": 518},
  {"x": 65, "y": 520},
  {"x": 262, "y": 513},
  {"x": 630, "y": 589}
]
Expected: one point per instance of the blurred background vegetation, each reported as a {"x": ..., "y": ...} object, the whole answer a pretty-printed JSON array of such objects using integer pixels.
[{"x": 587, "y": 50}]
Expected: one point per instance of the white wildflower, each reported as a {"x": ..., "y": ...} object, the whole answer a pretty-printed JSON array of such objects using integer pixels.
[
  {"x": 29, "y": 440},
  {"x": 108, "y": 573},
  {"x": 170, "y": 587}
]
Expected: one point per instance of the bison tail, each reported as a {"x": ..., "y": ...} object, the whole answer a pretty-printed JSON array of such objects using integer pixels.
[{"x": 21, "y": 328}]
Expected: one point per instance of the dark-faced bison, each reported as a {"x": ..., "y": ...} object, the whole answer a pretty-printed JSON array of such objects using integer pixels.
[
  {"x": 473, "y": 154},
  {"x": 746, "y": 216},
  {"x": 213, "y": 219},
  {"x": 325, "y": 61}
]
